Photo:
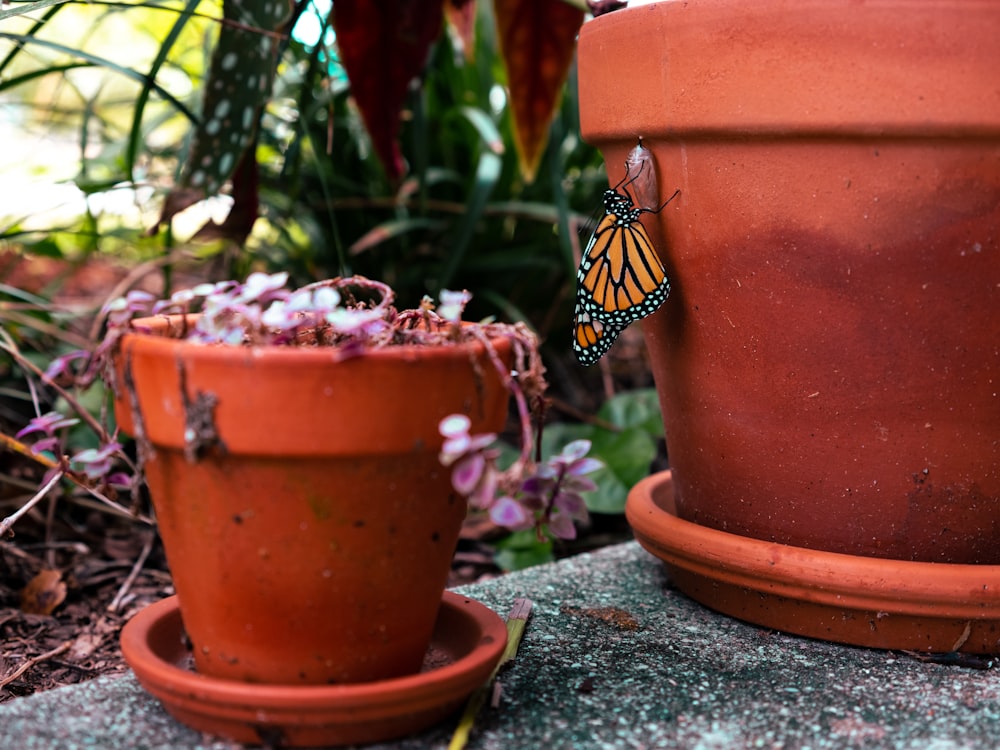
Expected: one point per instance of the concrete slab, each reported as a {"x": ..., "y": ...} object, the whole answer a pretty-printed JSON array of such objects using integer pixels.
[{"x": 613, "y": 658}]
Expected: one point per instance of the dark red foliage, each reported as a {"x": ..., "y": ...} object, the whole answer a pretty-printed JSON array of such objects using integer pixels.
[{"x": 383, "y": 47}]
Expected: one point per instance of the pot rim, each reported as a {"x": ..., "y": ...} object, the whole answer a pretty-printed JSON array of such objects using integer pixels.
[
  {"x": 904, "y": 587},
  {"x": 153, "y": 341},
  {"x": 722, "y": 69}
]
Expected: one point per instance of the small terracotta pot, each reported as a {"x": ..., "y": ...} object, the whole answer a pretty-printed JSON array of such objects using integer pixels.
[
  {"x": 828, "y": 362},
  {"x": 311, "y": 537},
  {"x": 467, "y": 643}
]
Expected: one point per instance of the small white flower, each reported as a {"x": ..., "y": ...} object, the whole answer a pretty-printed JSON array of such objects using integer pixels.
[{"x": 453, "y": 305}]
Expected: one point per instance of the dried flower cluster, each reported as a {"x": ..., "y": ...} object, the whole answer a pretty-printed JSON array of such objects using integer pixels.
[{"x": 353, "y": 314}]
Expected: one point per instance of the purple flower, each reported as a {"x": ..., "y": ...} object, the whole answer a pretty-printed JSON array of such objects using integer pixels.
[
  {"x": 281, "y": 316},
  {"x": 47, "y": 423},
  {"x": 474, "y": 473},
  {"x": 323, "y": 300},
  {"x": 467, "y": 472},
  {"x": 458, "y": 442},
  {"x": 134, "y": 304},
  {"x": 561, "y": 525},
  {"x": 96, "y": 463},
  {"x": 574, "y": 461},
  {"x": 510, "y": 514},
  {"x": 263, "y": 288},
  {"x": 363, "y": 322},
  {"x": 62, "y": 365},
  {"x": 549, "y": 498}
]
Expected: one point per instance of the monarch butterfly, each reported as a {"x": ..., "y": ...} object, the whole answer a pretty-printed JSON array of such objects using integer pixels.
[{"x": 621, "y": 278}]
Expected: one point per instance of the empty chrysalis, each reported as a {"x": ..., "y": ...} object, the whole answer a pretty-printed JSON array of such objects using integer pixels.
[{"x": 640, "y": 166}]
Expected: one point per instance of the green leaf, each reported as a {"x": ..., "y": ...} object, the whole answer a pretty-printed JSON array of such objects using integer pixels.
[
  {"x": 485, "y": 126},
  {"x": 487, "y": 174},
  {"x": 639, "y": 409},
  {"x": 627, "y": 452},
  {"x": 24, "y": 39},
  {"x": 392, "y": 229},
  {"x": 135, "y": 136},
  {"x": 557, "y": 435},
  {"x": 522, "y": 549},
  {"x": 26, "y": 8},
  {"x": 627, "y": 456}
]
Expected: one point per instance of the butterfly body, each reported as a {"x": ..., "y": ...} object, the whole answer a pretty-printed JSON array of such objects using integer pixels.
[{"x": 621, "y": 278}]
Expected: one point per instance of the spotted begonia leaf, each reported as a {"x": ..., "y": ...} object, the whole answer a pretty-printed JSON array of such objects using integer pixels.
[
  {"x": 383, "y": 47},
  {"x": 238, "y": 85},
  {"x": 537, "y": 41}
]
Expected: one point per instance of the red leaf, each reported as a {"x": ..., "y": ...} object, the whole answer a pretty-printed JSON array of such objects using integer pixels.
[
  {"x": 383, "y": 46},
  {"x": 537, "y": 41},
  {"x": 461, "y": 15}
]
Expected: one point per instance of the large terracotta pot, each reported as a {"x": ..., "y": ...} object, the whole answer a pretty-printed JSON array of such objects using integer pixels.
[
  {"x": 828, "y": 362},
  {"x": 311, "y": 535}
]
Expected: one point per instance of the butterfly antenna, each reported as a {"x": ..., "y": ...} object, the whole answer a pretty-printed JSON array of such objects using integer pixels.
[{"x": 664, "y": 205}]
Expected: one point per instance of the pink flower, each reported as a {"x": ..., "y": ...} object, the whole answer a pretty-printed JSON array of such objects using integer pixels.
[
  {"x": 550, "y": 498},
  {"x": 47, "y": 423},
  {"x": 96, "y": 463}
]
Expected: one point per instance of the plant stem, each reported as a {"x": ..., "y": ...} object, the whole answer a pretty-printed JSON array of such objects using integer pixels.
[
  {"x": 18, "y": 447},
  {"x": 9, "y": 521},
  {"x": 85, "y": 415},
  {"x": 512, "y": 384},
  {"x": 20, "y": 10},
  {"x": 116, "y": 603}
]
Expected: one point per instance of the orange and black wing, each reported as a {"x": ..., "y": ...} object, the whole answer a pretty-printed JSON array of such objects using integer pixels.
[
  {"x": 591, "y": 337},
  {"x": 621, "y": 278}
]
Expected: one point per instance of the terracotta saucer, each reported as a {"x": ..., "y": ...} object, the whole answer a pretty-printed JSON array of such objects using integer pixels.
[
  {"x": 864, "y": 601},
  {"x": 467, "y": 643}
]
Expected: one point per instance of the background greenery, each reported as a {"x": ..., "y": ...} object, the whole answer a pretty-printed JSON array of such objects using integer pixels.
[
  {"x": 123, "y": 81},
  {"x": 103, "y": 94}
]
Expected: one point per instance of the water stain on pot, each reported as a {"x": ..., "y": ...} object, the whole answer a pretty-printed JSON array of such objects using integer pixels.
[{"x": 320, "y": 506}]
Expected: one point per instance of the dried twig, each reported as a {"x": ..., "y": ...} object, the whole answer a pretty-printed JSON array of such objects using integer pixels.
[
  {"x": 75, "y": 477},
  {"x": 61, "y": 648},
  {"x": 83, "y": 414},
  {"x": 9, "y": 521},
  {"x": 517, "y": 620},
  {"x": 116, "y": 603}
]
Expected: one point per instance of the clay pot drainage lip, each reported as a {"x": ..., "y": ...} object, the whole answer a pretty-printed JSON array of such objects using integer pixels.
[
  {"x": 470, "y": 636},
  {"x": 863, "y": 601}
]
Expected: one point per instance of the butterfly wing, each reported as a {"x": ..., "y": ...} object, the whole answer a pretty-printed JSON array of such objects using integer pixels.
[
  {"x": 621, "y": 278},
  {"x": 591, "y": 337}
]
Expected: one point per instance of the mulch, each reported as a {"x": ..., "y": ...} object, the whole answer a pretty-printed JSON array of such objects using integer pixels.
[{"x": 64, "y": 600}]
